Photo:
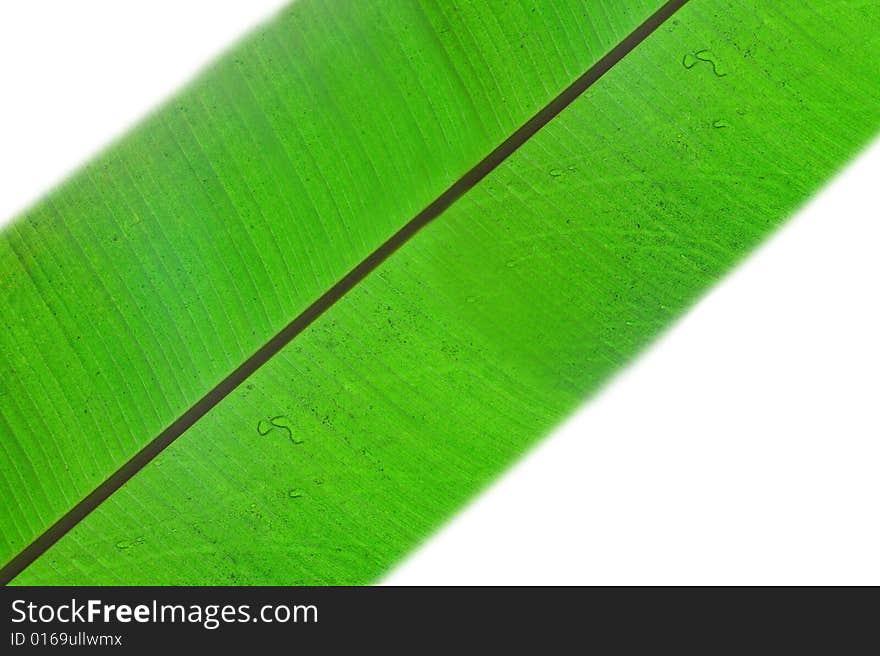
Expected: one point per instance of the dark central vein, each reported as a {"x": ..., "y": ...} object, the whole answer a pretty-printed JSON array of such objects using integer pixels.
[{"x": 201, "y": 407}]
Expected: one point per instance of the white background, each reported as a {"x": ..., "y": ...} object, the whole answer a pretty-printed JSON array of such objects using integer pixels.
[{"x": 743, "y": 448}]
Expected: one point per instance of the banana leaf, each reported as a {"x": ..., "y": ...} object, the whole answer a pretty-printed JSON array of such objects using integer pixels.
[{"x": 449, "y": 360}]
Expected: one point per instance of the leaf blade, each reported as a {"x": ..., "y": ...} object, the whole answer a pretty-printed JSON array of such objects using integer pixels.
[{"x": 489, "y": 326}]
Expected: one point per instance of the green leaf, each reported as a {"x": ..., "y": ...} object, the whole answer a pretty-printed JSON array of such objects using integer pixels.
[{"x": 446, "y": 363}]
